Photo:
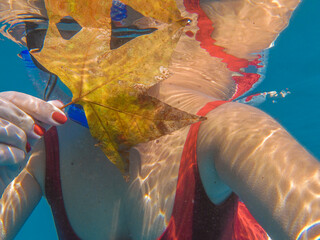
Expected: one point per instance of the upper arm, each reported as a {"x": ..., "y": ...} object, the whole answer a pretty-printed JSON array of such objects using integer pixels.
[
  {"x": 17, "y": 202},
  {"x": 277, "y": 179}
]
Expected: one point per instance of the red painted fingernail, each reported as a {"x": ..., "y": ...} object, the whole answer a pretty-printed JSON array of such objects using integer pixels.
[
  {"x": 39, "y": 130},
  {"x": 59, "y": 117},
  {"x": 189, "y": 34},
  {"x": 28, "y": 147}
]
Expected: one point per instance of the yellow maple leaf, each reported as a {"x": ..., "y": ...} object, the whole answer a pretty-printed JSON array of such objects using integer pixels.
[{"x": 111, "y": 84}]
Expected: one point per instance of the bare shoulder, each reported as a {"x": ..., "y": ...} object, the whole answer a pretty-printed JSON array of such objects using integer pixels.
[
  {"x": 238, "y": 124},
  {"x": 230, "y": 123},
  {"x": 233, "y": 115}
]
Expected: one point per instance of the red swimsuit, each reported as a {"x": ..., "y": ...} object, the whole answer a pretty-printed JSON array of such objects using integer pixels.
[
  {"x": 53, "y": 187},
  {"x": 194, "y": 216}
]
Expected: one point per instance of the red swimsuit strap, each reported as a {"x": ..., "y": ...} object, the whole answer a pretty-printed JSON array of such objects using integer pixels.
[
  {"x": 194, "y": 216},
  {"x": 53, "y": 186}
]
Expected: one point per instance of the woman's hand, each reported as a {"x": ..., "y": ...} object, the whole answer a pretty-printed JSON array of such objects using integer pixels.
[{"x": 22, "y": 121}]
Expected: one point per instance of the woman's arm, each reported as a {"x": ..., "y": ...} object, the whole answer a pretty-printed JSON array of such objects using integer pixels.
[
  {"x": 22, "y": 113},
  {"x": 18, "y": 201},
  {"x": 278, "y": 180},
  {"x": 20, "y": 119}
]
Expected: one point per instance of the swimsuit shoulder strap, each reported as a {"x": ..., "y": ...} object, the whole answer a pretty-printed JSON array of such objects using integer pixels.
[
  {"x": 194, "y": 216},
  {"x": 53, "y": 188}
]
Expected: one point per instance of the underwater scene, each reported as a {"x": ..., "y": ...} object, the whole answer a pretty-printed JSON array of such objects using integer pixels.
[{"x": 165, "y": 138}]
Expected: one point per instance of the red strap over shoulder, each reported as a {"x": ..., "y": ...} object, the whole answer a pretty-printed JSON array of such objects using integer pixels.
[
  {"x": 192, "y": 208},
  {"x": 53, "y": 186},
  {"x": 194, "y": 216}
]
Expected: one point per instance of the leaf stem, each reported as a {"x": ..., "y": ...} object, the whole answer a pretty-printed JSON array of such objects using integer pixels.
[{"x": 68, "y": 104}]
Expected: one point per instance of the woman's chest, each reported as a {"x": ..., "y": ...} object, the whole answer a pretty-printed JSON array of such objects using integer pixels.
[
  {"x": 92, "y": 189},
  {"x": 154, "y": 176},
  {"x": 99, "y": 201}
]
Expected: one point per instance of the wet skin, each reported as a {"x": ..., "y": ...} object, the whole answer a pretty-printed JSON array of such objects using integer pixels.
[
  {"x": 240, "y": 149},
  {"x": 245, "y": 147}
]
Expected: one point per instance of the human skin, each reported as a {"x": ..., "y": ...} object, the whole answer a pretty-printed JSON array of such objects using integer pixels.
[
  {"x": 250, "y": 163},
  {"x": 239, "y": 149}
]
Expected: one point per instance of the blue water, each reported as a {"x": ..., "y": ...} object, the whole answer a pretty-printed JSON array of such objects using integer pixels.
[{"x": 293, "y": 64}]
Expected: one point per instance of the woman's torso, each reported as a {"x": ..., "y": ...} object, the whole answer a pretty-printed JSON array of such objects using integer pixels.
[
  {"x": 98, "y": 200},
  {"x": 100, "y": 204}
]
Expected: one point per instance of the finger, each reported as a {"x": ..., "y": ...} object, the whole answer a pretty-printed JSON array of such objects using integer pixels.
[
  {"x": 12, "y": 135},
  {"x": 10, "y": 155},
  {"x": 13, "y": 114},
  {"x": 56, "y": 103},
  {"x": 36, "y": 108}
]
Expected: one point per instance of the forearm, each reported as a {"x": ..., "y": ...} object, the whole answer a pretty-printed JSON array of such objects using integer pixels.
[
  {"x": 278, "y": 180},
  {"x": 7, "y": 174},
  {"x": 16, "y": 204}
]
